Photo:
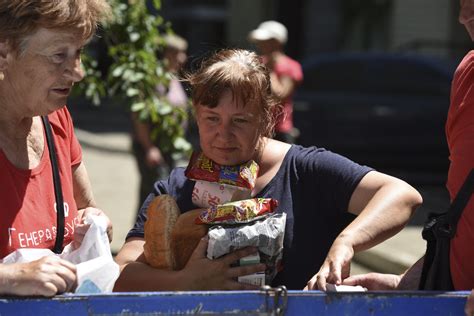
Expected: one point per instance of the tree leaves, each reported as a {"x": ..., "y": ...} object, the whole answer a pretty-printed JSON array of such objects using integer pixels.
[{"x": 132, "y": 39}]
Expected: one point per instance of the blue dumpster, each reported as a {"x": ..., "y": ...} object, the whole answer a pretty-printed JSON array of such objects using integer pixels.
[{"x": 265, "y": 302}]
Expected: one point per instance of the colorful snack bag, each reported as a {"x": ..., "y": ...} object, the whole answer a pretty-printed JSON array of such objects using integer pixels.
[
  {"x": 206, "y": 194},
  {"x": 202, "y": 168},
  {"x": 237, "y": 212}
]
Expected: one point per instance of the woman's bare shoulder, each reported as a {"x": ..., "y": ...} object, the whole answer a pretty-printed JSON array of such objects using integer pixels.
[
  {"x": 273, "y": 154},
  {"x": 275, "y": 150},
  {"x": 271, "y": 159}
]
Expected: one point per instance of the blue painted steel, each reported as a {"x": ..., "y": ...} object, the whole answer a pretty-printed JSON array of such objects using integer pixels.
[{"x": 240, "y": 303}]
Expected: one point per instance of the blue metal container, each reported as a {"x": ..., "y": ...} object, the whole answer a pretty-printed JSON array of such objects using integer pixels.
[{"x": 268, "y": 302}]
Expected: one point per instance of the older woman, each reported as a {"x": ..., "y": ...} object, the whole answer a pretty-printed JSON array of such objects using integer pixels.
[
  {"x": 40, "y": 48},
  {"x": 334, "y": 206}
]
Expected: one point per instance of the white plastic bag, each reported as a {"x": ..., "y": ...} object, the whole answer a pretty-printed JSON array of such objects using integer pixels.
[{"x": 96, "y": 269}]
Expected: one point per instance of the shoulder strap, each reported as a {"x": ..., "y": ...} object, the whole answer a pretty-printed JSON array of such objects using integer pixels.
[
  {"x": 58, "y": 246},
  {"x": 459, "y": 202}
]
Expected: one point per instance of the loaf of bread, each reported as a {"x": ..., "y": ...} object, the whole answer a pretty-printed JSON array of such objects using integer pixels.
[
  {"x": 185, "y": 237},
  {"x": 162, "y": 214}
]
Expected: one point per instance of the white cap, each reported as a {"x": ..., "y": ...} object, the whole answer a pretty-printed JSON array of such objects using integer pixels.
[
  {"x": 268, "y": 30},
  {"x": 176, "y": 42}
]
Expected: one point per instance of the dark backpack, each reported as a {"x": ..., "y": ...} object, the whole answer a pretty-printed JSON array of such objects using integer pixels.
[{"x": 438, "y": 231}]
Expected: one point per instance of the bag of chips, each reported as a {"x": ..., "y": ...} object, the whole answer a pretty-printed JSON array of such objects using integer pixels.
[
  {"x": 202, "y": 168},
  {"x": 237, "y": 212}
]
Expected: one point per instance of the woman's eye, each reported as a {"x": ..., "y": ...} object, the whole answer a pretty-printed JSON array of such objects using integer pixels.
[
  {"x": 212, "y": 118},
  {"x": 58, "y": 58},
  {"x": 239, "y": 120}
]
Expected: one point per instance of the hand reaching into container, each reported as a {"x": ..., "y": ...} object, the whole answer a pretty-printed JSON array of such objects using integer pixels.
[
  {"x": 374, "y": 281},
  {"x": 335, "y": 268},
  {"x": 407, "y": 281}
]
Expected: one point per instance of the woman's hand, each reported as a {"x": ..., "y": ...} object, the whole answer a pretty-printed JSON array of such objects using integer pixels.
[
  {"x": 202, "y": 273},
  {"x": 153, "y": 157},
  {"x": 47, "y": 276},
  {"x": 335, "y": 268},
  {"x": 81, "y": 228},
  {"x": 374, "y": 281}
]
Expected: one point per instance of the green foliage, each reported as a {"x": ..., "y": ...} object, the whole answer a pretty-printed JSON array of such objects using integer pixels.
[{"x": 132, "y": 38}]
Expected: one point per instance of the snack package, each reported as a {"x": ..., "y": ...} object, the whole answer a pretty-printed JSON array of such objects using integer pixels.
[
  {"x": 267, "y": 235},
  {"x": 206, "y": 194},
  {"x": 202, "y": 168},
  {"x": 237, "y": 212},
  {"x": 248, "y": 260},
  {"x": 254, "y": 279}
]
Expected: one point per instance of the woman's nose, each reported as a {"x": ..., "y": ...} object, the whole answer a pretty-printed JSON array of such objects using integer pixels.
[
  {"x": 74, "y": 70},
  {"x": 224, "y": 129}
]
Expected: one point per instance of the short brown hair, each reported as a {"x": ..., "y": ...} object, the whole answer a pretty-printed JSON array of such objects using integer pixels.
[
  {"x": 21, "y": 18},
  {"x": 241, "y": 72}
]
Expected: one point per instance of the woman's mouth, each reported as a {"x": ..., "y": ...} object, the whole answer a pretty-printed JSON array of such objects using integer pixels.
[
  {"x": 226, "y": 149},
  {"x": 62, "y": 91}
]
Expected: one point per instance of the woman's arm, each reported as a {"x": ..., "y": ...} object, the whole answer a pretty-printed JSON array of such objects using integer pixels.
[
  {"x": 384, "y": 204},
  {"x": 136, "y": 275},
  {"x": 153, "y": 155},
  {"x": 85, "y": 202},
  {"x": 199, "y": 273},
  {"x": 82, "y": 187},
  {"x": 282, "y": 87}
]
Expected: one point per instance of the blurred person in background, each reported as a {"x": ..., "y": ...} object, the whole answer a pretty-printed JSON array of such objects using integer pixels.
[
  {"x": 285, "y": 73},
  {"x": 40, "y": 61},
  {"x": 154, "y": 163},
  {"x": 460, "y": 139}
]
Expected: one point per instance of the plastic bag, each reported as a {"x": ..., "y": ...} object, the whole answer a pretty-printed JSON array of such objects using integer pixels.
[
  {"x": 96, "y": 269},
  {"x": 267, "y": 235}
]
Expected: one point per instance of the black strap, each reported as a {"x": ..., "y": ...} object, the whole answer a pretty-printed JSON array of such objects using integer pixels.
[
  {"x": 58, "y": 246},
  {"x": 459, "y": 203}
]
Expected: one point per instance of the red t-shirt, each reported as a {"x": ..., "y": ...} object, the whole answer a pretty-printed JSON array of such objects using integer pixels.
[
  {"x": 290, "y": 68},
  {"x": 28, "y": 217},
  {"x": 460, "y": 137}
]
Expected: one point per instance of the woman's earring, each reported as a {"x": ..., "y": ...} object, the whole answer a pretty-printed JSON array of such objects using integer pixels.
[{"x": 2, "y": 75}]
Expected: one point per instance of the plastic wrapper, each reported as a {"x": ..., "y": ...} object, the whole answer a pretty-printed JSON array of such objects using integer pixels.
[
  {"x": 96, "y": 268},
  {"x": 258, "y": 279},
  {"x": 267, "y": 235},
  {"x": 242, "y": 176},
  {"x": 237, "y": 212},
  {"x": 206, "y": 194}
]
